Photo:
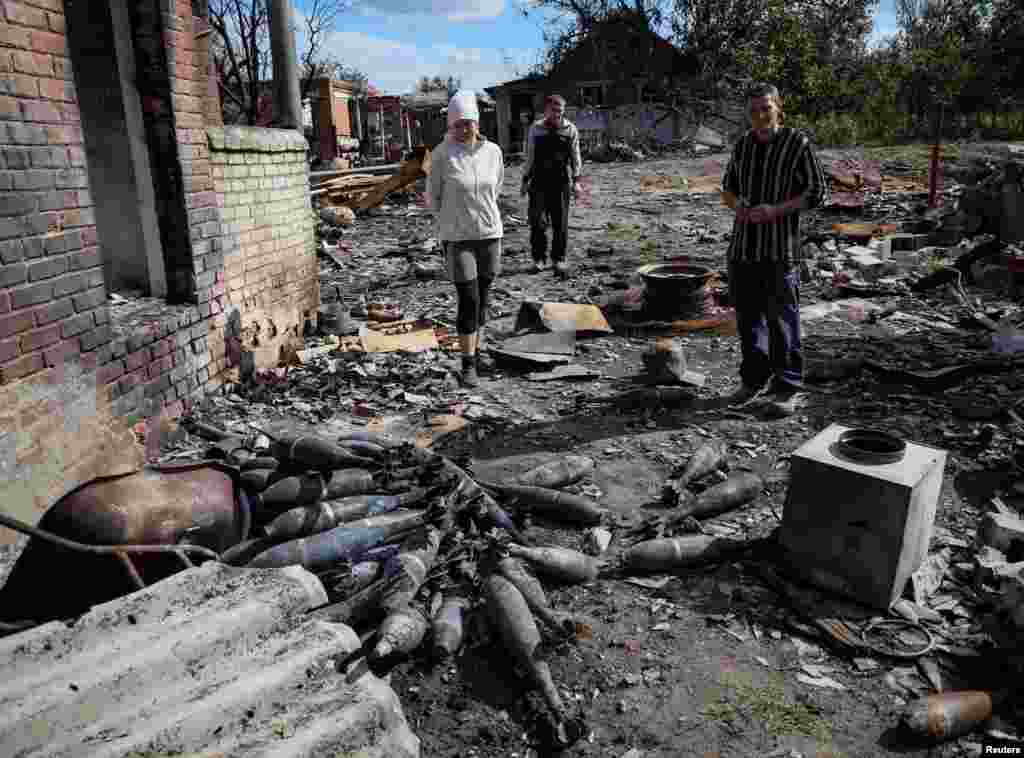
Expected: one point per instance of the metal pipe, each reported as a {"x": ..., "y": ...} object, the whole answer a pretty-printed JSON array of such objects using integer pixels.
[
  {"x": 42, "y": 534},
  {"x": 287, "y": 100}
]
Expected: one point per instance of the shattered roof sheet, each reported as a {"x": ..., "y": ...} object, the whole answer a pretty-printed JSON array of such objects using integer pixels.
[{"x": 214, "y": 661}]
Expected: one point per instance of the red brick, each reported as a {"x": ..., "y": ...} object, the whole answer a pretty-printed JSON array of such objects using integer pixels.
[
  {"x": 138, "y": 359},
  {"x": 32, "y": 63},
  {"x": 62, "y": 68},
  {"x": 55, "y": 311},
  {"x": 8, "y": 350},
  {"x": 14, "y": 36},
  {"x": 54, "y": 89},
  {"x": 110, "y": 372},
  {"x": 163, "y": 347},
  {"x": 22, "y": 367},
  {"x": 20, "y": 85},
  {"x": 9, "y": 108},
  {"x": 48, "y": 42},
  {"x": 23, "y": 15},
  {"x": 5, "y": 302},
  {"x": 40, "y": 338},
  {"x": 40, "y": 111},
  {"x": 59, "y": 353},
  {"x": 76, "y": 325},
  {"x": 16, "y": 323},
  {"x": 130, "y": 380},
  {"x": 54, "y": 6},
  {"x": 70, "y": 112},
  {"x": 158, "y": 367},
  {"x": 87, "y": 258}
]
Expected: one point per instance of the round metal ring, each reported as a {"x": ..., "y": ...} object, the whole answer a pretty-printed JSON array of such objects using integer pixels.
[
  {"x": 927, "y": 648},
  {"x": 870, "y": 446}
]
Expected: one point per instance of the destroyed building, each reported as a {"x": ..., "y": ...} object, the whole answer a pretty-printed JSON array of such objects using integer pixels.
[
  {"x": 333, "y": 115},
  {"x": 148, "y": 252},
  {"x": 619, "y": 81}
]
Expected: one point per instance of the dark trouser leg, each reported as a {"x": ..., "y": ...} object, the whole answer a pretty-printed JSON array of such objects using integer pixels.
[
  {"x": 468, "y": 318},
  {"x": 484, "y": 299},
  {"x": 538, "y": 220},
  {"x": 782, "y": 314},
  {"x": 747, "y": 290},
  {"x": 558, "y": 210}
]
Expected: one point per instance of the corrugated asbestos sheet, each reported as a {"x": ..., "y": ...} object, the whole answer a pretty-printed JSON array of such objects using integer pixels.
[{"x": 212, "y": 662}]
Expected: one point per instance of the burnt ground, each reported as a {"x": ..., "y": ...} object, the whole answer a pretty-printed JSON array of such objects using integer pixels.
[
  {"x": 703, "y": 663},
  {"x": 706, "y": 664}
]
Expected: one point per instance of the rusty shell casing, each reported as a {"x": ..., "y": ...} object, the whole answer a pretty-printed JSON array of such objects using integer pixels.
[
  {"x": 550, "y": 503},
  {"x": 346, "y": 542},
  {"x": 510, "y": 614},
  {"x": 532, "y": 591},
  {"x": 559, "y": 563},
  {"x": 740, "y": 488},
  {"x": 371, "y": 437},
  {"x": 401, "y": 632},
  {"x": 243, "y": 552},
  {"x": 351, "y": 481},
  {"x": 707, "y": 458},
  {"x": 408, "y": 570},
  {"x": 260, "y": 461},
  {"x": 256, "y": 480},
  {"x": 313, "y": 519},
  {"x": 365, "y": 449},
  {"x": 315, "y": 453},
  {"x": 293, "y": 491},
  {"x": 447, "y": 626},
  {"x": 948, "y": 715},
  {"x": 558, "y": 473},
  {"x": 672, "y": 553}
]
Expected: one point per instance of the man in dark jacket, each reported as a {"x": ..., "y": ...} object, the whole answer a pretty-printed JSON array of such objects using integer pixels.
[
  {"x": 772, "y": 176},
  {"x": 551, "y": 172}
]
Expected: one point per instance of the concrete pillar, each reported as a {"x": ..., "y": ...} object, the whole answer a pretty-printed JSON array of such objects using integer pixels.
[{"x": 287, "y": 101}]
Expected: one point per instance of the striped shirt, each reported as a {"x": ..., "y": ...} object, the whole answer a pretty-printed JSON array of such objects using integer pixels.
[{"x": 768, "y": 174}]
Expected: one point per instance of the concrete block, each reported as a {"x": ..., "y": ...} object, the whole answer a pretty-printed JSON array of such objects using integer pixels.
[
  {"x": 1004, "y": 532},
  {"x": 860, "y": 529}
]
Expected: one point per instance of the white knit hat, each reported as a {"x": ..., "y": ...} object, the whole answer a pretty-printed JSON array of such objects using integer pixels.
[{"x": 463, "y": 106}]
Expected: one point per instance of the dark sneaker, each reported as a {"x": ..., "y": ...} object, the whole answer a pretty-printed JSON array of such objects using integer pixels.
[
  {"x": 484, "y": 363},
  {"x": 470, "y": 378},
  {"x": 745, "y": 394}
]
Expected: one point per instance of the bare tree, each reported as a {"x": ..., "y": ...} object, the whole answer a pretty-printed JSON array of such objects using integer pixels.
[{"x": 241, "y": 51}]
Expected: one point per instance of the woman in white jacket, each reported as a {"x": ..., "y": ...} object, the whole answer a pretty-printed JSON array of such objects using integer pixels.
[{"x": 465, "y": 179}]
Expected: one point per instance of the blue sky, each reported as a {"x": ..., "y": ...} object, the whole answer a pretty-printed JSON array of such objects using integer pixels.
[{"x": 483, "y": 42}]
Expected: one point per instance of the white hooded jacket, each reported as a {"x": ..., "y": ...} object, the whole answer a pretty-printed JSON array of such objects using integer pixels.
[{"x": 463, "y": 189}]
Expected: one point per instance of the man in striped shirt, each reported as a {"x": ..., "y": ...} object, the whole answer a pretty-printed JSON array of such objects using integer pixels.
[{"x": 772, "y": 176}]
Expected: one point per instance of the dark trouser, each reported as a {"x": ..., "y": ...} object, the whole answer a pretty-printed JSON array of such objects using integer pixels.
[
  {"x": 767, "y": 301},
  {"x": 472, "y": 266},
  {"x": 551, "y": 202}
]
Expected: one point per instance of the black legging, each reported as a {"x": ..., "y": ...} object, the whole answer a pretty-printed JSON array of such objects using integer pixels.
[{"x": 474, "y": 298}]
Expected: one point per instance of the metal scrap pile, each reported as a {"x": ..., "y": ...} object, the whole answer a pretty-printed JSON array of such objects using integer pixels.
[{"x": 409, "y": 545}]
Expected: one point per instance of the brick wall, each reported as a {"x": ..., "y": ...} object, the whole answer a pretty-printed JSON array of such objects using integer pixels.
[
  {"x": 51, "y": 277},
  {"x": 270, "y": 273},
  {"x": 55, "y": 424},
  {"x": 73, "y": 370}
]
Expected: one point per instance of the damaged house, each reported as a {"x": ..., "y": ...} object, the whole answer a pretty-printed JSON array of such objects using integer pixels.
[
  {"x": 619, "y": 82},
  {"x": 147, "y": 252}
]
